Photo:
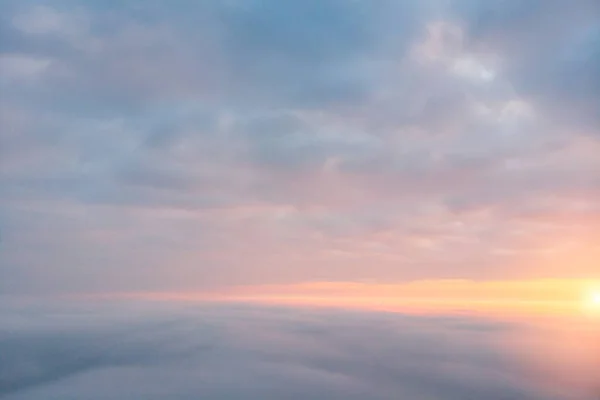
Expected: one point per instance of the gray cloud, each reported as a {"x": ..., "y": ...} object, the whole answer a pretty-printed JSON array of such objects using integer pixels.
[
  {"x": 136, "y": 350},
  {"x": 550, "y": 52},
  {"x": 269, "y": 122},
  {"x": 239, "y": 54}
]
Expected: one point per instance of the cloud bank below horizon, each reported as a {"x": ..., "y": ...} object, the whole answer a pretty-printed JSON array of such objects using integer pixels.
[{"x": 153, "y": 350}]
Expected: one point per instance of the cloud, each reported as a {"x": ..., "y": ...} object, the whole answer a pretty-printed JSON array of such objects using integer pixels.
[
  {"x": 232, "y": 53},
  {"x": 279, "y": 142},
  {"x": 151, "y": 350},
  {"x": 549, "y": 52}
]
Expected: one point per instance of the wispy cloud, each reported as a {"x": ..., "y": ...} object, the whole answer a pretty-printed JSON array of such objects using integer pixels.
[{"x": 197, "y": 146}]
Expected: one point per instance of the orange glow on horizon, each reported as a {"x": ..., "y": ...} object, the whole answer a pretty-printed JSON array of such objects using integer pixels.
[{"x": 537, "y": 297}]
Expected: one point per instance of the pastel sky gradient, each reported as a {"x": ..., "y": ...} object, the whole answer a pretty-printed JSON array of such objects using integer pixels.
[{"x": 196, "y": 146}]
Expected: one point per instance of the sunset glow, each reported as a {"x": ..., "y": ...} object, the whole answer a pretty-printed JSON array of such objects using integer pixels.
[
  {"x": 594, "y": 300},
  {"x": 535, "y": 297},
  {"x": 300, "y": 199}
]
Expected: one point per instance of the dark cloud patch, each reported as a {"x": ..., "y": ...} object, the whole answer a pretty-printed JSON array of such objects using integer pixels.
[
  {"x": 155, "y": 177},
  {"x": 289, "y": 143},
  {"x": 573, "y": 80},
  {"x": 125, "y": 349},
  {"x": 107, "y": 61},
  {"x": 486, "y": 19},
  {"x": 550, "y": 52},
  {"x": 48, "y": 351},
  {"x": 317, "y": 31},
  {"x": 301, "y": 50}
]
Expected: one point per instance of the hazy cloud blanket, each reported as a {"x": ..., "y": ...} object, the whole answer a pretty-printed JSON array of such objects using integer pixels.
[{"x": 160, "y": 351}]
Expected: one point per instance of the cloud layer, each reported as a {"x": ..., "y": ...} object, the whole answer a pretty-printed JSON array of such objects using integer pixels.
[
  {"x": 206, "y": 144},
  {"x": 154, "y": 350}
]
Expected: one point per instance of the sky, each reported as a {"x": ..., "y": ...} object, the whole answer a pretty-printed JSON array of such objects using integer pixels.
[
  {"x": 311, "y": 199},
  {"x": 196, "y": 147}
]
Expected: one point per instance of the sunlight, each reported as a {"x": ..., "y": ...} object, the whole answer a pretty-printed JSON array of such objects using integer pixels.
[
  {"x": 592, "y": 301},
  {"x": 595, "y": 299}
]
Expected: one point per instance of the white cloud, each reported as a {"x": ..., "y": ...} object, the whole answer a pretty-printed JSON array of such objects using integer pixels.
[
  {"x": 44, "y": 20},
  {"x": 22, "y": 67},
  {"x": 473, "y": 69}
]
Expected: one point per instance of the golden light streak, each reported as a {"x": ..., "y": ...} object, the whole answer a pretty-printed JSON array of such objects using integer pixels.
[{"x": 531, "y": 297}]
